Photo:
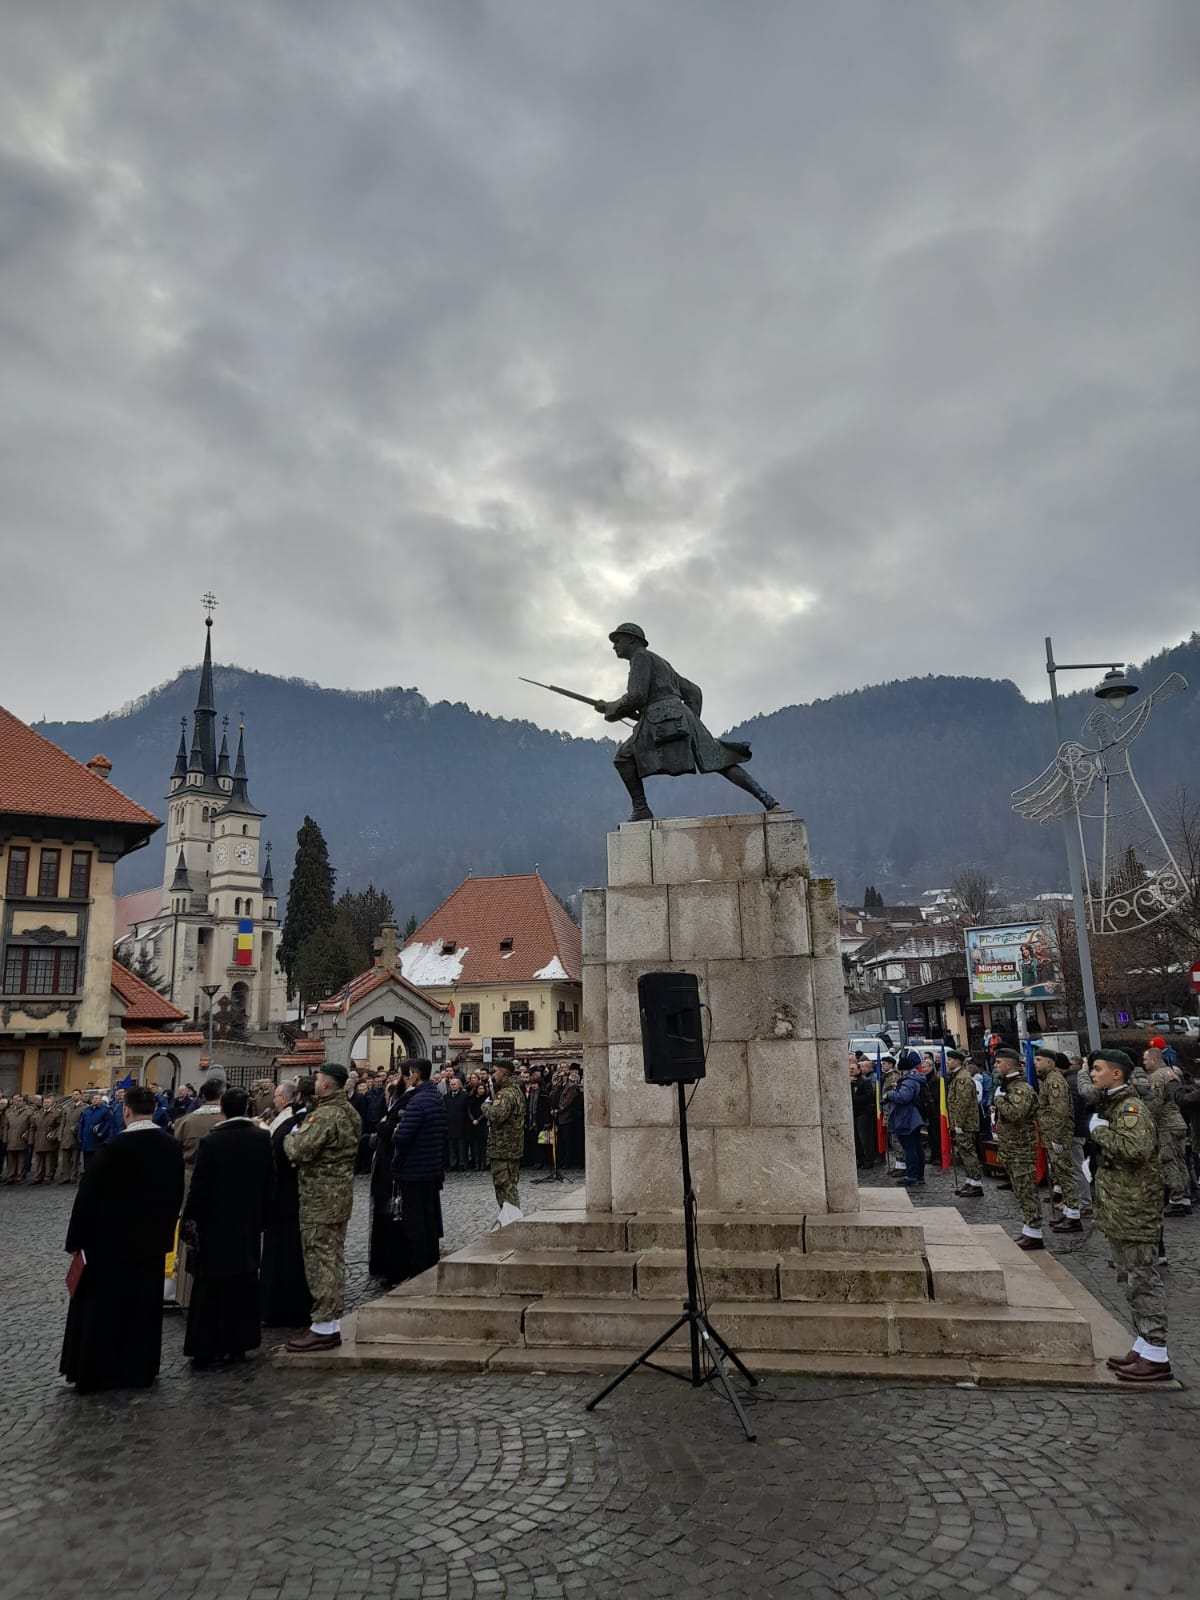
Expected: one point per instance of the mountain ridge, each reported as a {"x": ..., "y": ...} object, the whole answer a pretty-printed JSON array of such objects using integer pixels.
[{"x": 900, "y": 783}]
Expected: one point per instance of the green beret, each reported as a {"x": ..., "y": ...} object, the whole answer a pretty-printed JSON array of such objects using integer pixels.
[
  {"x": 1116, "y": 1058},
  {"x": 1045, "y": 1050},
  {"x": 1007, "y": 1053},
  {"x": 956, "y": 1055},
  {"x": 336, "y": 1071}
]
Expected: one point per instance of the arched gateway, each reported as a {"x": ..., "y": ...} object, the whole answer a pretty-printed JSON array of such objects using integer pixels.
[{"x": 380, "y": 997}]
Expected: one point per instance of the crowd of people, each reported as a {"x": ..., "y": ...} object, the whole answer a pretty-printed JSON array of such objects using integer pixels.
[
  {"x": 244, "y": 1198},
  {"x": 1118, "y": 1143}
]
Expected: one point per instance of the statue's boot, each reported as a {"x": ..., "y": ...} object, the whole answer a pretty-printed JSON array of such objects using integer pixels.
[
  {"x": 742, "y": 778},
  {"x": 629, "y": 777}
]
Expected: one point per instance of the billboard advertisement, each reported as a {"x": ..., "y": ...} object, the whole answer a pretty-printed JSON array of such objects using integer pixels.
[{"x": 1017, "y": 962}]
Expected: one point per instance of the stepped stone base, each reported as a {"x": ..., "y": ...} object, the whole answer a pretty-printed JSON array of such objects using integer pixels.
[{"x": 924, "y": 1294}]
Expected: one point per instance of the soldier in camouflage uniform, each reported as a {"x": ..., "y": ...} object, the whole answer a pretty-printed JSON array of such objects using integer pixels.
[
  {"x": 1164, "y": 1084},
  {"x": 962, "y": 1109},
  {"x": 1016, "y": 1106},
  {"x": 323, "y": 1149},
  {"x": 890, "y": 1077},
  {"x": 505, "y": 1115},
  {"x": 1127, "y": 1195},
  {"x": 1055, "y": 1124}
]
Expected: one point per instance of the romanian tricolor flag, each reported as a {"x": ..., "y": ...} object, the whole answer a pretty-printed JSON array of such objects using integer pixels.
[
  {"x": 880, "y": 1128},
  {"x": 244, "y": 956},
  {"x": 944, "y": 1115}
]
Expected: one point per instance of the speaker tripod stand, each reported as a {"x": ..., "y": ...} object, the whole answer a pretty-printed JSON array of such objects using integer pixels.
[{"x": 702, "y": 1334}]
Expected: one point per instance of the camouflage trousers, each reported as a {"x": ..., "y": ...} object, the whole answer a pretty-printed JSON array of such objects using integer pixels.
[
  {"x": 1138, "y": 1275},
  {"x": 1062, "y": 1171},
  {"x": 967, "y": 1157},
  {"x": 1172, "y": 1150},
  {"x": 1022, "y": 1172},
  {"x": 504, "y": 1177},
  {"x": 324, "y": 1247}
]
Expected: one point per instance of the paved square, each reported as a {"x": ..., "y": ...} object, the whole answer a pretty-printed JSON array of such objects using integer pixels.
[{"x": 267, "y": 1484}]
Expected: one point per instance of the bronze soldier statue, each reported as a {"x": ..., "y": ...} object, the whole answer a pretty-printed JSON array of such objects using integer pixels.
[{"x": 669, "y": 738}]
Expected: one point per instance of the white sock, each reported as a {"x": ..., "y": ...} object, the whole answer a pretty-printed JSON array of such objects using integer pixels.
[
  {"x": 1071, "y": 1216},
  {"x": 1031, "y": 1233},
  {"x": 327, "y": 1327},
  {"x": 1154, "y": 1352},
  {"x": 974, "y": 1183},
  {"x": 1139, "y": 1346}
]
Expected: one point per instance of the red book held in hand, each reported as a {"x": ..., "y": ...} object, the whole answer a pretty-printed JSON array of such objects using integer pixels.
[{"x": 75, "y": 1272}]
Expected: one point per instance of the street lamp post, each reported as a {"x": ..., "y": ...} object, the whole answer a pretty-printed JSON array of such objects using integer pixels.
[
  {"x": 1115, "y": 688},
  {"x": 210, "y": 989}
]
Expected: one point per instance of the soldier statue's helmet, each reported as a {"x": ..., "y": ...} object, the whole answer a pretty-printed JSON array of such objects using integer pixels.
[
  {"x": 630, "y": 630},
  {"x": 336, "y": 1071}
]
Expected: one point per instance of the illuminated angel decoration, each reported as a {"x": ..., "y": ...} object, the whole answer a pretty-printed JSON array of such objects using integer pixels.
[{"x": 1131, "y": 877}]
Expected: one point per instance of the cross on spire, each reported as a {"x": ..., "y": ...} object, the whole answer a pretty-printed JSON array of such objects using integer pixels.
[{"x": 210, "y": 603}]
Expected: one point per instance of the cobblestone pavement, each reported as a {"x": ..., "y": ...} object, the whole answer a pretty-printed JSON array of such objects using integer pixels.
[{"x": 263, "y": 1484}]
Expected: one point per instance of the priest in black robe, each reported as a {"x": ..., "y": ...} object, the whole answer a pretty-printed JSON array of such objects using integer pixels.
[
  {"x": 286, "y": 1299},
  {"x": 228, "y": 1206},
  {"x": 123, "y": 1223}
]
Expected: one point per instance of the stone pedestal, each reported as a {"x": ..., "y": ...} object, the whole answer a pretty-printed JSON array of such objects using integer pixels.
[{"x": 731, "y": 899}]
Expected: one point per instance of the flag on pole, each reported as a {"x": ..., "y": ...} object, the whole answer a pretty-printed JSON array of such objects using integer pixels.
[
  {"x": 880, "y": 1129},
  {"x": 944, "y": 1114},
  {"x": 346, "y": 1001}
]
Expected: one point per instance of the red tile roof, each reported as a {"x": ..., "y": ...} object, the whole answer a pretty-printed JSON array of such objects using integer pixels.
[
  {"x": 142, "y": 1003},
  {"x": 151, "y": 1038},
  {"x": 370, "y": 980},
  {"x": 37, "y": 779},
  {"x": 144, "y": 905},
  {"x": 483, "y": 911}
]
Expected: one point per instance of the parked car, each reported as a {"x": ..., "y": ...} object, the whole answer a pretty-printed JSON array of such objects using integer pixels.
[{"x": 1188, "y": 1025}]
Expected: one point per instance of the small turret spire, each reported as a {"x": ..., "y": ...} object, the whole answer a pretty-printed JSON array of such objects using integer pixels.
[
  {"x": 181, "y": 757},
  {"x": 223, "y": 755},
  {"x": 181, "y": 883},
  {"x": 239, "y": 799},
  {"x": 268, "y": 878}
]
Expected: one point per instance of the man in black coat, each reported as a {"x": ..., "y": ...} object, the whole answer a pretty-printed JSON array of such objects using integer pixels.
[
  {"x": 454, "y": 1102},
  {"x": 228, "y": 1206},
  {"x": 417, "y": 1150},
  {"x": 123, "y": 1226}
]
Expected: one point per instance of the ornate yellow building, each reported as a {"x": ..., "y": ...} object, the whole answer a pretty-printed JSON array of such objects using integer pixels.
[{"x": 63, "y": 828}]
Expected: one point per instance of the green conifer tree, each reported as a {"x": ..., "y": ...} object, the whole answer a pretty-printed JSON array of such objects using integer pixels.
[{"x": 310, "y": 900}]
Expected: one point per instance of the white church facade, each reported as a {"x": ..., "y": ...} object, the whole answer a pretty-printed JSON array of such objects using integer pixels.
[{"x": 218, "y": 917}]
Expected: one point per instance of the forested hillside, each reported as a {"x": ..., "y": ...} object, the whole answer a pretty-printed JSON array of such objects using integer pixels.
[{"x": 900, "y": 784}]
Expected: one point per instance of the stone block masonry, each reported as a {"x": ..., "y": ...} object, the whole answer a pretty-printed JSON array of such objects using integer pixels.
[{"x": 731, "y": 899}]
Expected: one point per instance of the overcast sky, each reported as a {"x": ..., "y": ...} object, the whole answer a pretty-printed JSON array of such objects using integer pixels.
[{"x": 833, "y": 342}]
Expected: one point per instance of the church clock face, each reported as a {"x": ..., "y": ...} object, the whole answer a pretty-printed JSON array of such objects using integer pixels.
[
  {"x": 244, "y": 855},
  {"x": 221, "y": 855}
]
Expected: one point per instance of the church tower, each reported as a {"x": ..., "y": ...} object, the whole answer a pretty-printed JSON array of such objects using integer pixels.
[{"x": 220, "y": 914}]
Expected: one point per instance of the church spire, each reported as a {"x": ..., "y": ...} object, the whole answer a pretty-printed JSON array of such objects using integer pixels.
[
  {"x": 206, "y": 711},
  {"x": 239, "y": 799},
  {"x": 181, "y": 756},
  {"x": 223, "y": 755},
  {"x": 181, "y": 883},
  {"x": 268, "y": 877}
]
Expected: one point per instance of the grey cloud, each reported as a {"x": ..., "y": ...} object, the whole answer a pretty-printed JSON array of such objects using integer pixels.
[{"x": 438, "y": 338}]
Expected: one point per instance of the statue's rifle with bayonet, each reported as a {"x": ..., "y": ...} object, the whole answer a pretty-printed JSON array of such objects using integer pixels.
[{"x": 584, "y": 699}]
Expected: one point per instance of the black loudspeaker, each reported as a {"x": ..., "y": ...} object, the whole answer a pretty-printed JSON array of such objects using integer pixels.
[{"x": 672, "y": 1032}]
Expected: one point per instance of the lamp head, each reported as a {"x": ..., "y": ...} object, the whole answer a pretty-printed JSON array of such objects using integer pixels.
[{"x": 1116, "y": 688}]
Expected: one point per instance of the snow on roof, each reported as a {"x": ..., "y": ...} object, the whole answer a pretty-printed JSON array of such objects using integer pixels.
[
  {"x": 554, "y": 969},
  {"x": 428, "y": 967}
]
